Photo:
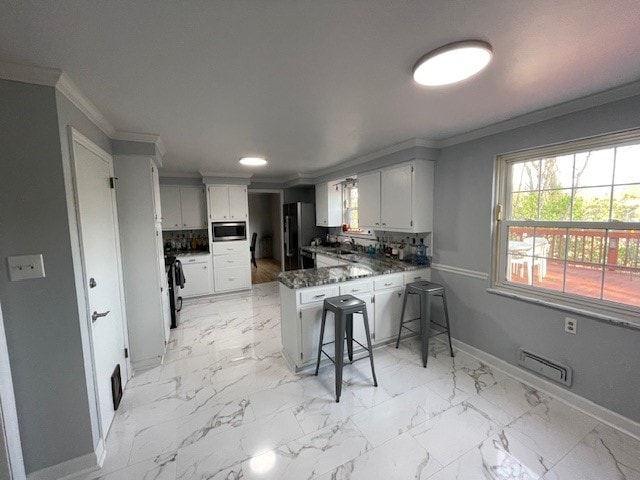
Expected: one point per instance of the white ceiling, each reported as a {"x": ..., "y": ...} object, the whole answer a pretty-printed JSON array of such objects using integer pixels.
[{"x": 312, "y": 83}]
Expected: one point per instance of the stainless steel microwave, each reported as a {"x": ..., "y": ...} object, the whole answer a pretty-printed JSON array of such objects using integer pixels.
[{"x": 228, "y": 231}]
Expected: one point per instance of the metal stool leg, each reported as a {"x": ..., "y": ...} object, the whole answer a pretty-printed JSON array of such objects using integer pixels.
[
  {"x": 446, "y": 317},
  {"x": 366, "y": 330},
  {"x": 324, "y": 319},
  {"x": 404, "y": 306},
  {"x": 339, "y": 360},
  {"x": 349, "y": 331},
  {"x": 425, "y": 321}
]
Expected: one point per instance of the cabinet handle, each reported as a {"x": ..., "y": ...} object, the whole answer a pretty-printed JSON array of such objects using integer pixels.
[
  {"x": 319, "y": 296},
  {"x": 192, "y": 260},
  {"x": 388, "y": 284},
  {"x": 383, "y": 223},
  {"x": 231, "y": 279},
  {"x": 229, "y": 261},
  {"x": 377, "y": 223},
  {"x": 230, "y": 249},
  {"x": 204, "y": 267},
  {"x": 354, "y": 290},
  {"x": 176, "y": 225},
  {"x": 399, "y": 294}
]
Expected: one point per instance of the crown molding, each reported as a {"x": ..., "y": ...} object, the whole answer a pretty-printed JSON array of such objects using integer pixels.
[
  {"x": 169, "y": 174},
  {"x": 226, "y": 174},
  {"x": 54, "y": 77},
  {"x": 367, "y": 157},
  {"x": 30, "y": 74},
  {"x": 141, "y": 137},
  {"x": 571, "y": 106},
  {"x": 70, "y": 90}
]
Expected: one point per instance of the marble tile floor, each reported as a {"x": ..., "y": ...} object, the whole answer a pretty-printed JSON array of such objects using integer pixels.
[{"x": 224, "y": 406}]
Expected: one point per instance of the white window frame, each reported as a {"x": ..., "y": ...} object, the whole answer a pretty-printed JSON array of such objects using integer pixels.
[{"x": 602, "y": 309}]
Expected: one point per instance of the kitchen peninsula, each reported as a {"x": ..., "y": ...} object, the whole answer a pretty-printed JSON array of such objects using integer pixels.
[{"x": 378, "y": 281}]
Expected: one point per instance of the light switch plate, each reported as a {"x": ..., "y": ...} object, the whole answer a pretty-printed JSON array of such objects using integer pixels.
[{"x": 24, "y": 267}]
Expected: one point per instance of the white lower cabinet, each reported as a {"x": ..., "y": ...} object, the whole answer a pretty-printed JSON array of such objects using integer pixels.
[
  {"x": 231, "y": 266},
  {"x": 388, "y": 297},
  {"x": 197, "y": 274},
  {"x": 232, "y": 278},
  {"x": 301, "y": 314}
]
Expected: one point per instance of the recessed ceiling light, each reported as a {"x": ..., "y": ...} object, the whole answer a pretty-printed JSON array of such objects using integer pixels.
[
  {"x": 253, "y": 161},
  {"x": 452, "y": 63}
]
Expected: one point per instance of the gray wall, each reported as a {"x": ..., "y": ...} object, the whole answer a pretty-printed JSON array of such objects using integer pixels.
[
  {"x": 605, "y": 358},
  {"x": 41, "y": 315}
]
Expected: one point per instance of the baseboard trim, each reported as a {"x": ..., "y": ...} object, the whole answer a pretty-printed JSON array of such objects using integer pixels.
[
  {"x": 146, "y": 363},
  {"x": 91, "y": 462},
  {"x": 599, "y": 412}
]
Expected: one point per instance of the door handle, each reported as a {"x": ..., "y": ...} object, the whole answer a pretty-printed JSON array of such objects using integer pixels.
[{"x": 95, "y": 315}]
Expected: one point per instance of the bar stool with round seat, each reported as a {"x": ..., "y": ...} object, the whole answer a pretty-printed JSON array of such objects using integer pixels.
[
  {"x": 425, "y": 291},
  {"x": 343, "y": 308}
]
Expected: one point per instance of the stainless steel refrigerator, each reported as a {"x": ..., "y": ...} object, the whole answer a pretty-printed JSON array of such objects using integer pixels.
[{"x": 299, "y": 230}]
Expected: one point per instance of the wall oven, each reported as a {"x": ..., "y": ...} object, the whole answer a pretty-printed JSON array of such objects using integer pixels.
[{"x": 228, "y": 231}]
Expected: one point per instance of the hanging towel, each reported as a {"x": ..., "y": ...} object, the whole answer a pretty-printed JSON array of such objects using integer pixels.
[{"x": 180, "y": 280}]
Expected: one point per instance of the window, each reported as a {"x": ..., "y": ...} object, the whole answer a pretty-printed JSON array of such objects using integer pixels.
[
  {"x": 350, "y": 215},
  {"x": 570, "y": 227}
]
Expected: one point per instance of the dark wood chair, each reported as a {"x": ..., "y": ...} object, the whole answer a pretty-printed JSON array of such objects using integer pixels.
[{"x": 252, "y": 249}]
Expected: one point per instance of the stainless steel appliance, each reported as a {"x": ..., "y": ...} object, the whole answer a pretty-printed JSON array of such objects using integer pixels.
[
  {"x": 228, "y": 231},
  {"x": 299, "y": 230}
]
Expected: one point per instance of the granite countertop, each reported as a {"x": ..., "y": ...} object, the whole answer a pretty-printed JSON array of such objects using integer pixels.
[{"x": 359, "y": 265}]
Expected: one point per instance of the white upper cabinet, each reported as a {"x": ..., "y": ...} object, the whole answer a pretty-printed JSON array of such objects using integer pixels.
[
  {"x": 182, "y": 207},
  {"x": 194, "y": 213},
  {"x": 369, "y": 200},
  {"x": 228, "y": 202},
  {"x": 396, "y": 207},
  {"x": 171, "y": 212},
  {"x": 328, "y": 205},
  {"x": 398, "y": 198},
  {"x": 238, "y": 202}
]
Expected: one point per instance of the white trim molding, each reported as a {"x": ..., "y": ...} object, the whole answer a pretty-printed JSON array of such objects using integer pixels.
[
  {"x": 460, "y": 271},
  {"x": 74, "y": 468},
  {"x": 574, "y": 400},
  {"x": 582, "y": 103},
  {"x": 141, "y": 137},
  {"x": 54, "y": 77}
]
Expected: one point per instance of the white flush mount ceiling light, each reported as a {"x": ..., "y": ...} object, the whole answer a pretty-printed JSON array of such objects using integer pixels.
[
  {"x": 253, "y": 161},
  {"x": 452, "y": 63}
]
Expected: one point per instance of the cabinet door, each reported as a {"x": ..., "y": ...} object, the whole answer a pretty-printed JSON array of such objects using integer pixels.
[
  {"x": 388, "y": 305},
  {"x": 219, "y": 202},
  {"x": 369, "y": 200},
  {"x": 197, "y": 279},
  {"x": 238, "y": 202},
  {"x": 193, "y": 207},
  {"x": 157, "y": 202},
  {"x": 164, "y": 284},
  {"x": 396, "y": 208},
  {"x": 334, "y": 205},
  {"x": 322, "y": 202},
  {"x": 359, "y": 333},
  {"x": 171, "y": 210},
  {"x": 311, "y": 319}
]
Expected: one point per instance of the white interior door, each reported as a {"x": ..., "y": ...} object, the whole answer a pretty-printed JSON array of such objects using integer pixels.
[{"x": 101, "y": 261}]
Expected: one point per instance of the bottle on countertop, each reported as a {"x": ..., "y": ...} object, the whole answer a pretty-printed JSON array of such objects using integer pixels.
[{"x": 422, "y": 253}]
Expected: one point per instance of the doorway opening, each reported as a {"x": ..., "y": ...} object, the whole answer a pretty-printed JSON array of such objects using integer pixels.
[{"x": 265, "y": 220}]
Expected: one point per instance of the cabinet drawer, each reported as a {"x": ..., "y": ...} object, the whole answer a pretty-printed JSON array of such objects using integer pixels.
[
  {"x": 355, "y": 288},
  {"x": 194, "y": 259},
  {"x": 388, "y": 282},
  {"x": 417, "y": 275},
  {"x": 226, "y": 248},
  {"x": 225, "y": 261},
  {"x": 232, "y": 278},
  {"x": 318, "y": 294}
]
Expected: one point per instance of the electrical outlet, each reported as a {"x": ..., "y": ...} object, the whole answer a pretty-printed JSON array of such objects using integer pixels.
[{"x": 570, "y": 325}]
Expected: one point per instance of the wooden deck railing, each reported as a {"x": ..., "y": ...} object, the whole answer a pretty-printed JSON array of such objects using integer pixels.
[{"x": 622, "y": 249}]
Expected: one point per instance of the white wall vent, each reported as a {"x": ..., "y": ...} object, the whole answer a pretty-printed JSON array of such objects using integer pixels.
[{"x": 545, "y": 367}]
